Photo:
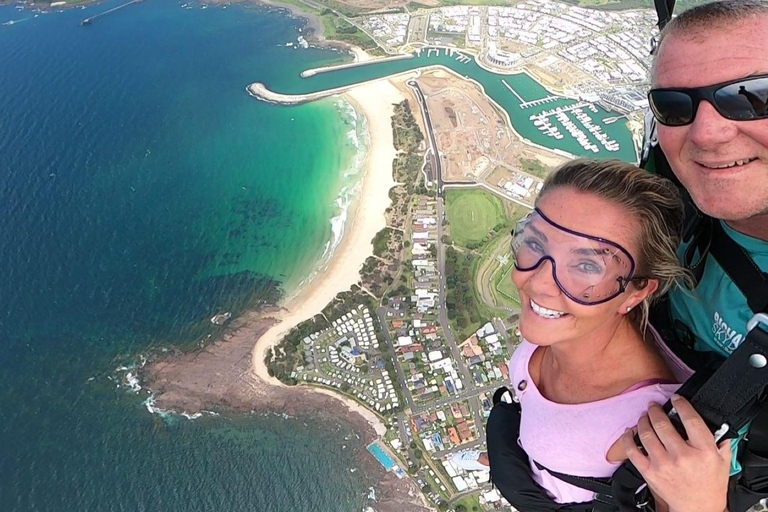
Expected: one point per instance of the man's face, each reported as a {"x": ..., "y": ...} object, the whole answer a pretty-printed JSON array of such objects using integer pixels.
[{"x": 708, "y": 155}]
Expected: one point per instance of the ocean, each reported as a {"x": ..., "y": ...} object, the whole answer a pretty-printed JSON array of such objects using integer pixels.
[{"x": 142, "y": 190}]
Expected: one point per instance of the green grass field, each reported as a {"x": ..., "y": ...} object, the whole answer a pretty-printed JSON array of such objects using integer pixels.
[
  {"x": 469, "y": 503},
  {"x": 504, "y": 285},
  {"x": 472, "y": 214}
]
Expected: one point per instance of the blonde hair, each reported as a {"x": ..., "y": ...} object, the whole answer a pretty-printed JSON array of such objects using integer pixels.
[{"x": 652, "y": 200}]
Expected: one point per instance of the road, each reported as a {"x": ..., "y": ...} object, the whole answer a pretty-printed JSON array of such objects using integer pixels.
[
  {"x": 466, "y": 394},
  {"x": 431, "y": 135},
  {"x": 456, "y": 354},
  {"x": 382, "y": 313}
]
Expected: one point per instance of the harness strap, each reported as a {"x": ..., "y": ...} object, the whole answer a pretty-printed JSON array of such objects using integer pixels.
[
  {"x": 510, "y": 466},
  {"x": 603, "y": 500},
  {"x": 734, "y": 393},
  {"x": 727, "y": 399},
  {"x": 743, "y": 271},
  {"x": 664, "y": 10}
]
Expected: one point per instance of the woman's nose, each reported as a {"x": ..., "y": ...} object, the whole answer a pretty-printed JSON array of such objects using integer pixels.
[{"x": 543, "y": 279}]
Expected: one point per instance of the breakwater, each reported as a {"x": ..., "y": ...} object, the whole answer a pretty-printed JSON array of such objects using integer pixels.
[{"x": 538, "y": 115}]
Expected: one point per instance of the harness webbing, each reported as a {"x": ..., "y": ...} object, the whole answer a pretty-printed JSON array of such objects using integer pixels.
[
  {"x": 745, "y": 274},
  {"x": 664, "y": 9}
]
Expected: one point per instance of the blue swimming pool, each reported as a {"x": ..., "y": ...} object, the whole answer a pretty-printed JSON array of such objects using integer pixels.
[{"x": 381, "y": 456}]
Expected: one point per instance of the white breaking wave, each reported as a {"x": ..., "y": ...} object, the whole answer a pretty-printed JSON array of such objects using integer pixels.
[
  {"x": 151, "y": 404},
  {"x": 351, "y": 184},
  {"x": 133, "y": 382},
  {"x": 339, "y": 221},
  {"x": 126, "y": 376}
]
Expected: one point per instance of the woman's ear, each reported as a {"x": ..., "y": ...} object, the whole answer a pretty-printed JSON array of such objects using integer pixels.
[{"x": 637, "y": 294}]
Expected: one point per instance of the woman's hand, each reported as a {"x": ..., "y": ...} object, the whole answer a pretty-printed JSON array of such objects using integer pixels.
[{"x": 690, "y": 476}]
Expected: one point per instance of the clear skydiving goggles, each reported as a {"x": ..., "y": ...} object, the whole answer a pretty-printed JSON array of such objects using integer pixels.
[{"x": 588, "y": 269}]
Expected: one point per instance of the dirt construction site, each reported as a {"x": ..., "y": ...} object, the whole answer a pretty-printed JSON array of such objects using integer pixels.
[{"x": 475, "y": 140}]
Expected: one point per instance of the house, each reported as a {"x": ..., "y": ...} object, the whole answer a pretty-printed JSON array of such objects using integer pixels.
[{"x": 453, "y": 434}]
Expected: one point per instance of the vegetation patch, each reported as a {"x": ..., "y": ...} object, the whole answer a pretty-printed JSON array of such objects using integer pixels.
[
  {"x": 469, "y": 503},
  {"x": 534, "y": 167},
  {"x": 464, "y": 311},
  {"x": 504, "y": 285},
  {"x": 338, "y": 29},
  {"x": 407, "y": 139}
]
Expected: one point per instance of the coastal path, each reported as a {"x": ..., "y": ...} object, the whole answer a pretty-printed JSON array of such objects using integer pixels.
[{"x": 431, "y": 135}]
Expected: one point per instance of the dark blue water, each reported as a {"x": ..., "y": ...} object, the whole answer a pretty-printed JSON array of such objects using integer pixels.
[{"x": 142, "y": 190}]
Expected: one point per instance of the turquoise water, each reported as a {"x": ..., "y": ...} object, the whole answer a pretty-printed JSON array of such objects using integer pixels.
[
  {"x": 381, "y": 456},
  {"x": 526, "y": 88},
  {"x": 141, "y": 191}
]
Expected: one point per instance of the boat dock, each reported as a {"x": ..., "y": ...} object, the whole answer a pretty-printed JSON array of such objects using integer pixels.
[{"x": 88, "y": 21}]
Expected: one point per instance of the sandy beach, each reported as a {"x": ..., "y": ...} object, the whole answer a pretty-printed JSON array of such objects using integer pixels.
[
  {"x": 219, "y": 377},
  {"x": 229, "y": 371},
  {"x": 375, "y": 101}
]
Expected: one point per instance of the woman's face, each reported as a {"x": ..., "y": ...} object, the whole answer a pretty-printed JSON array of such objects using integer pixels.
[{"x": 561, "y": 318}]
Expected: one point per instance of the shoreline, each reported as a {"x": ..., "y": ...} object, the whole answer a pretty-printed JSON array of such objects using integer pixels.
[
  {"x": 229, "y": 373},
  {"x": 368, "y": 218}
]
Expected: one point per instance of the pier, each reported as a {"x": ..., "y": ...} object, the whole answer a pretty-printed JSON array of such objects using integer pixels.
[
  {"x": 88, "y": 21},
  {"x": 512, "y": 91},
  {"x": 611, "y": 120},
  {"x": 532, "y": 103},
  {"x": 259, "y": 91},
  {"x": 547, "y": 113}
]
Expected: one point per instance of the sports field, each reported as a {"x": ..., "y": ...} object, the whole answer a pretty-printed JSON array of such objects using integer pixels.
[
  {"x": 502, "y": 280},
  {"x": 472, "y": 214}
]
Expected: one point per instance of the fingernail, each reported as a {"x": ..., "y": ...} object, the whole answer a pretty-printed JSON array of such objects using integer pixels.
[{"x": 676, "y": 397}]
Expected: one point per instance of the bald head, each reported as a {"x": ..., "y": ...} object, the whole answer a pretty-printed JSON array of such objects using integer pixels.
[
  {"x": 699, "y": 20},
  {"x": 716, "y": 44}
]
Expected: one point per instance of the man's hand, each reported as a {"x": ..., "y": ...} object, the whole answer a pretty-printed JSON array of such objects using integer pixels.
[{"x": 690, "y": 476}]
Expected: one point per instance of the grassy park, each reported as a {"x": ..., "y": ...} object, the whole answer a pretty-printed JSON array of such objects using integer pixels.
[
  {"x": 472, "y": 215},
  {"x": 502, "y": 282},
  {"x": 478, "y": 261}
]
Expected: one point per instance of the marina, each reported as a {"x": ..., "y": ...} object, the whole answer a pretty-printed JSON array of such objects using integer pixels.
[{"x": 519, "y": 95}]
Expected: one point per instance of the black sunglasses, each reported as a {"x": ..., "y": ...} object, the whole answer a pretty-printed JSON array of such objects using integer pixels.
[{"x": 744, "y": 99}]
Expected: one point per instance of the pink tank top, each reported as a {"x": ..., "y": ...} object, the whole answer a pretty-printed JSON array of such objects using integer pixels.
[{"x": 575, "y": 438}]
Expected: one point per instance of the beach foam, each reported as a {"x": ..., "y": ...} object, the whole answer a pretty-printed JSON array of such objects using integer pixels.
[
  {"x": 375, "y": 101},
  {"x": 351, "y": 185}
]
